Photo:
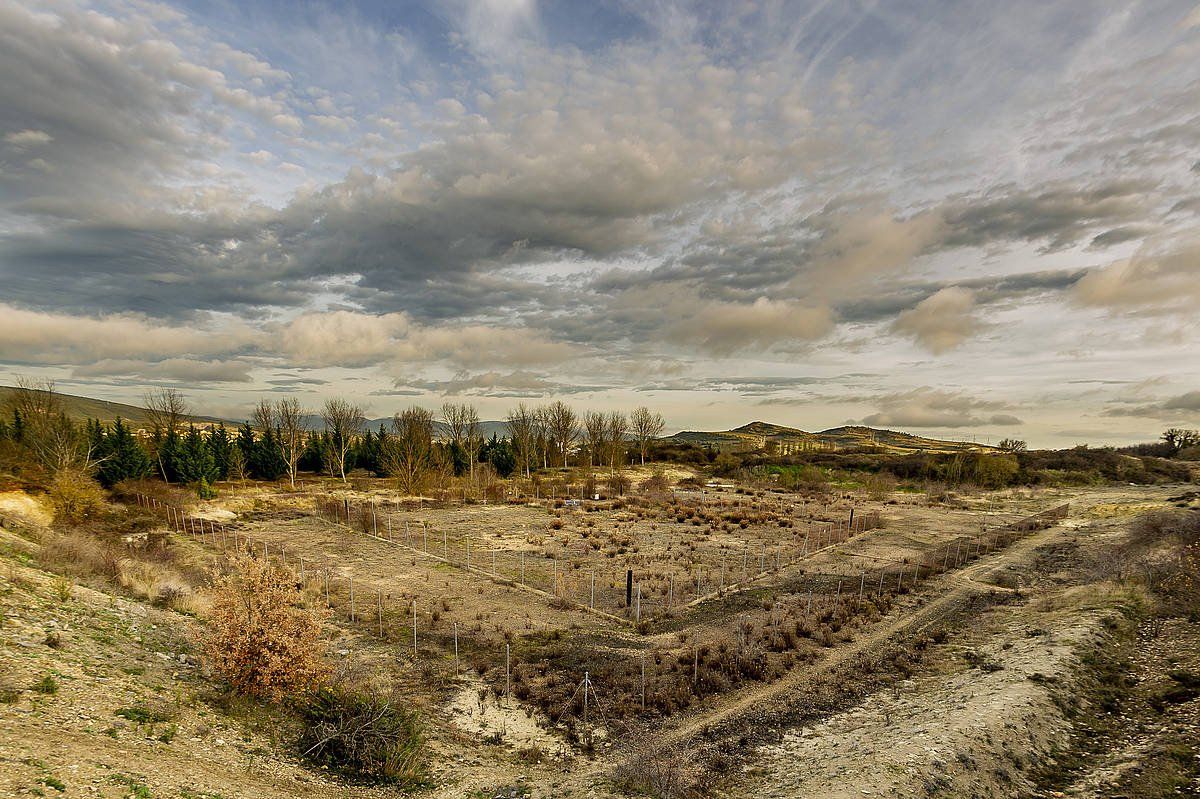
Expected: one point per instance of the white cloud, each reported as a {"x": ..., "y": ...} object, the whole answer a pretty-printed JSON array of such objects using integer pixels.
[
  {"x": 23, "y": 139},
  {"x": 353, "y": 339},
  {"x": 941, "y": 321},
  {"x": 55, "y": 338},
  {"x": 723, "y": 328}
]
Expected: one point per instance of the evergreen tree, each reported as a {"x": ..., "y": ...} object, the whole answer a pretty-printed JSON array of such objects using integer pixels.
[
  {"x": 266, "y": 461},
  {"x": 500, "y": 454},
  {"x": 170, "y": 453},
  {"x": 194, "y": 463},
  {"x": 457, "y": 456},
  {"x": 221, "y": 446},
  {"x": 237, "y": 464},
  {"x": 122, "y": 457},
  {"x": 315, "y": 457},
  {"x": 245, "y": 444},
  {"x": 95, "y": 434}
]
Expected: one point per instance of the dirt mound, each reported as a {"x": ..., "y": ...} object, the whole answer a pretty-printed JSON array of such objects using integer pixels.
[{"x": 24, "y": 509}]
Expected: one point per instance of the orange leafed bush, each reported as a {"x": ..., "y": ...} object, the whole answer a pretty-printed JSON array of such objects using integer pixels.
[{"x": 260, "y": 638}]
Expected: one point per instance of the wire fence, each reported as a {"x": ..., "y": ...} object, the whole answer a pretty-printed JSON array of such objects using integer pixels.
[{"x": 414, "y": 622}]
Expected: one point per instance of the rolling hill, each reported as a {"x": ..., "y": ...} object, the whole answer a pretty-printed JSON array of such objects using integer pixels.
[
  {"x": 89, "y": 408},
  {"x": 788, "y": 440}
]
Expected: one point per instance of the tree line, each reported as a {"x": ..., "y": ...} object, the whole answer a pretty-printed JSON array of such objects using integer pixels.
[{"x": 416, "y": 449}]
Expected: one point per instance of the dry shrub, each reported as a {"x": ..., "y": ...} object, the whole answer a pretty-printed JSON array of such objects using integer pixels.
[
  {"x": 667, "y": 775},
  {"x": 1181, "y": 527},
  {"x": 75, "y": 496},
  {"x": 79, "y": 555},
  {"x": 656, "y": 483},
  {"x": 880, "y": 485},
  {"x": 365, "y": 735},
  {"x": 260, "y": 637},
  {"x": 165, "y": 493},
  {"x": 1164, "y": 546},
  {"x": 153, "y": 581}
]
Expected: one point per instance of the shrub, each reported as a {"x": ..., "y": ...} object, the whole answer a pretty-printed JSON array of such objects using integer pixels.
[
  {"x": 656, "y": 483},
  {"x": 147, "y": 714},
  {"x": 880, "y": 485},
  {"x": 362, "y": 734},
  {"x": 80, "y": 555},
  {"x": 47, "y": 685},
  {"x": 662, "y": 774},
  {"x": 75, "y": 495},
  {"x": 260, "y": 638}
]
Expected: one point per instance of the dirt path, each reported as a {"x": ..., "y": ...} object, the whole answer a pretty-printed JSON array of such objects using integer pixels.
[
  {"x": 903, "y": 622},
  {"x": 965, "y": 729}
]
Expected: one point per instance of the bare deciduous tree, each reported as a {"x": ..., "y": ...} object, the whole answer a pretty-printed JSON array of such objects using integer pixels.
[
  {"x": 409, "y": 454},
  {"x": 563, "y": 425},
  {"x": 616, "y": 427},
  {"x": 521, "y": 429},
  {"x": 646, "y": 427},
  {"x": 541, "y": 436},
  {"x": 454, "y": 416},
  {"x": 595, "y": 426},
  {"x": 462, "y": 427},
  {"x": 58, "y": 443},
  {"x": 343, "y": 421},
  {"x": 473, "y": 436},
  {"x": 166, "y": 409},
  {"x": 286, "y": 418}
]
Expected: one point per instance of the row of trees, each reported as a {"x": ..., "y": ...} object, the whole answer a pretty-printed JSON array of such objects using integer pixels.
[
  {"x": 415, "y": 448},
  {"x": 547, "y": 435}
]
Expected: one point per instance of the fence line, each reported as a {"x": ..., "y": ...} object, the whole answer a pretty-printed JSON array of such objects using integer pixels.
[{"x": 892, "y": 578}]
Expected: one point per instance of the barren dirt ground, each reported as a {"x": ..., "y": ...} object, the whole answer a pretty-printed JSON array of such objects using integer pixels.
[{"x": 975, "y": 718}]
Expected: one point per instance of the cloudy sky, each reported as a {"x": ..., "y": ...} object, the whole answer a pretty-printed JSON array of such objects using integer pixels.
[{"x": 970, "y": 219}]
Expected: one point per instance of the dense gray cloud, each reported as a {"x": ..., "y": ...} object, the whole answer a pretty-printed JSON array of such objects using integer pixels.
[
  {"x": 1182, "y": 407},
  {"x": 1056, "y": 216},
  {"x": 933, "y": 408}
]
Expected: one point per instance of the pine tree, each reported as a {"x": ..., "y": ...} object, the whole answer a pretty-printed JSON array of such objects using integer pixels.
[
  {"x": 237, "y": 465},
  {"x": 18, "y": 426},
  {"x": 123, "y": 458},
  {"x": 245, "y": 444},
  {"x": 500, "y": 454},
  {"x": 170, "y": 452},
  {"x": 194, "y": 461},
  {"x": 266, "y": 461},
  {"x": 221, "y": 447}
]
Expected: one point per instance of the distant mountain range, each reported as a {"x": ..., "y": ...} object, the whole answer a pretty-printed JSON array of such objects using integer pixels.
[
  {"x": 788, "y": 440},
  {"x": 500, "y": 429},
  {"x": 748, "y": 437}
]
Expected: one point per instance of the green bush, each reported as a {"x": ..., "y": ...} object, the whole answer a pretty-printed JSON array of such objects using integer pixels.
[
  {"x": 363, "y": 735},
  {"x": 47, "y": 685}
]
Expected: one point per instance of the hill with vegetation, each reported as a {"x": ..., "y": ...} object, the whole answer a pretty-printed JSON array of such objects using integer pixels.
[
  {"x": 106, "y": 412},
  {"x": 766, "y": 436}
]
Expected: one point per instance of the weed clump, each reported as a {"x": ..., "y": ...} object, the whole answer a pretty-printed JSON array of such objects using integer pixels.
[{"x": 363, "y": 735}]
